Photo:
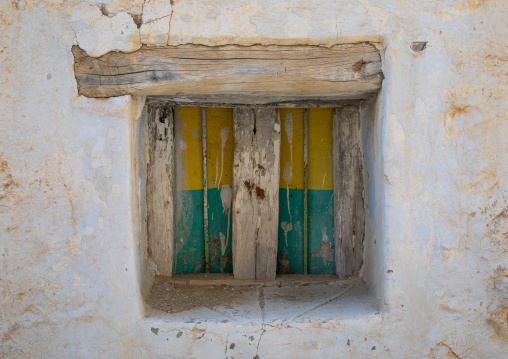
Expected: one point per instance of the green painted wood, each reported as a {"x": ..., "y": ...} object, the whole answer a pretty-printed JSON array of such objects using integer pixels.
[
  {"x": 290, "y": 254},
  {"x": 290, "y": 251},
  {"x": 189, "y": 253},
  {"x": 219, "y": 173},
  {"x": 321, "y": 253},
  {"x": 220, "y": 229},
  {"x": 321, "y": 240}
]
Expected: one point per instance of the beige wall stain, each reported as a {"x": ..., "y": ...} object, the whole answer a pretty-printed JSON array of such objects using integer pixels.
[{"x": 7, "y": 182}]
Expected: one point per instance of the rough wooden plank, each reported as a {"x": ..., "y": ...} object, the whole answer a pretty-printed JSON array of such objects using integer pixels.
[
  {"x": 159, "y": 187},
  {"x": 254, "y": 101},
  {"x": 348, "y": 71},
  {"x": 348, "y": 192},
  {"x": 267, "y": 171},
  {"x": 256, "y": 167},
  {"x": 245, "y": 216}
]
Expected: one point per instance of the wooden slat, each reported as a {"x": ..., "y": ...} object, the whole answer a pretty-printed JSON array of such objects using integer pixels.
[
  {"x": 190, "y": 256},
  {"x": 159, "y": 187},
  {"x": 348, "y": 71},
  {"x": 348, "y": 192},
  {"x": 256, "y": 167},
  {"x": 219, "y": 143},
  {"x": 320, "y": 222},
  {"x": 290, "y": 254}
]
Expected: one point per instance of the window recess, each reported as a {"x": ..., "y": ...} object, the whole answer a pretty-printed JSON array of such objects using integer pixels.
[{"x": 255, "y": 190}]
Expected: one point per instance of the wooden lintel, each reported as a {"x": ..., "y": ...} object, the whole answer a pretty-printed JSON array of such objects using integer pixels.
[
  {"x": 347, "y": 71},
  {"x": 253, "y": 101}
]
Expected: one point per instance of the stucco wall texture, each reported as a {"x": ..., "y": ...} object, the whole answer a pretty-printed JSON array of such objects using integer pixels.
[{"x": 70, "y": 273}]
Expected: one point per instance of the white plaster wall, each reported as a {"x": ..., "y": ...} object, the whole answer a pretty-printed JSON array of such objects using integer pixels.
[{"x": 70, "y": 274}]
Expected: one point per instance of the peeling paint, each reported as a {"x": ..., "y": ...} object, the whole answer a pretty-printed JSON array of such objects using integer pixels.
[{"x": 98, "y": 34}]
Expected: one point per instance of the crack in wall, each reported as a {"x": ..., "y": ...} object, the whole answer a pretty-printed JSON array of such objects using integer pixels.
[
  {"x": 261, "y": 300},
  {"x": 347, "y": 289}
]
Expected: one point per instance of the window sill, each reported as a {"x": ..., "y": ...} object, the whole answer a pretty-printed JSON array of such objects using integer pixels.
[{"x": 290, "y": 299}]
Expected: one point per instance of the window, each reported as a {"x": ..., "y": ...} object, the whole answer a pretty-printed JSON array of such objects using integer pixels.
[
  {"x": 261, "y": 91},
  {"x": 255, "y": 190}
]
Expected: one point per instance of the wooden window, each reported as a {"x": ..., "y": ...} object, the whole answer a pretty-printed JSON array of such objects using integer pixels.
[
  {"x": 255, "y": 191},
  {"x": 276, "y": 174}
]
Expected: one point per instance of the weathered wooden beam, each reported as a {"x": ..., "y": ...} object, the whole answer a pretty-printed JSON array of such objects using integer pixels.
[
  {"x": 253, "y": 101},
  {"x": 349, "y": 206},
  {"x": 256, "y": 167},
  {"x": 348, "y": 71},
  {"x": 159, "y": 187}
]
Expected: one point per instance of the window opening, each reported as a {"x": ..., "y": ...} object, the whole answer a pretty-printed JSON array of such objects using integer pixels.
[{"x": 203, "y": 218}]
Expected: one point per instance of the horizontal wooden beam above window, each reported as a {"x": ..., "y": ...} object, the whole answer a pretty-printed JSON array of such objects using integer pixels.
[
  {"x": 251, "y": 101},
  {"x": 341, "y": 72}
]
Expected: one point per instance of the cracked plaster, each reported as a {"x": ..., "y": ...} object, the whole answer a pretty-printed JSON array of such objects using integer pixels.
[{"x": 155, "y": 22}]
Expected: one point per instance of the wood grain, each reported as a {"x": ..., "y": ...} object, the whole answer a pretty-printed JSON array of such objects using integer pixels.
[
  {"x": 256, "y": 167},
  {"x": 159, "y": 187},
  {"x": 347, "y": 71},
  {"x": 349, "y": 206},
  {"x": 253, "y": 101}
]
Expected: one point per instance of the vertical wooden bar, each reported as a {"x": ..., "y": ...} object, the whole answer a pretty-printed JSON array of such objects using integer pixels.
[
  {"x": 348, "y": 197},
  {"x": 305, "y": 191},
  {"x": 219, "y": 143},
  {"x": 159, "y": 187},
  {"x": 290, "y": 253},
  {"x": 256, "y": 169},
  {"x": 205, "y": 186},
  {"x": 245, "y": 209},
  {"x": 189, "y": 255},
  {"x": 320, "y": 192}
]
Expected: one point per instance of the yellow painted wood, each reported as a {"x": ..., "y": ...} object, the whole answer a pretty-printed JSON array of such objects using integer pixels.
[
  {"x": 291, "y": 148},
  {"x": 320, "y": 122},
  {"x": 219, "y": 173},
  {"x": 219, "y": 145},
  {"x": 189, "y": 252},
  {"x": 290, "y": 252},
  {"x": 320, "y": 192},
  {"x": 189, "y": 148}
]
